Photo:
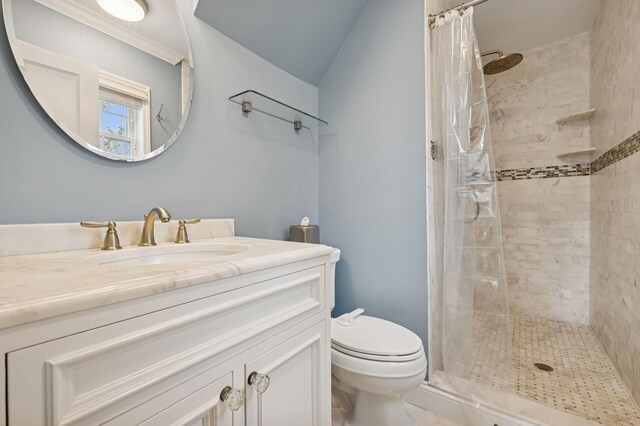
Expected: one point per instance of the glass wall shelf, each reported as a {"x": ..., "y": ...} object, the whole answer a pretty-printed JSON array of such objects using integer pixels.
[{"x": 250, "y": 100}]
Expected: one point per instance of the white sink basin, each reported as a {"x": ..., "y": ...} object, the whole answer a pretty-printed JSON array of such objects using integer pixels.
[{"x": 168, "y": 254}]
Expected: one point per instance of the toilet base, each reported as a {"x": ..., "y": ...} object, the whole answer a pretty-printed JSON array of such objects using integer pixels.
[{"x": 372, "y": 409}]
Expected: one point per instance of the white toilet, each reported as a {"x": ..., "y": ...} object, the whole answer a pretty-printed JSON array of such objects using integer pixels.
[{"x": 375, "y": 362}]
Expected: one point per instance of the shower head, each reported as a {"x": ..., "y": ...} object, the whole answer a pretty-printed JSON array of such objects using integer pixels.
[{"x": 502, "y": 62}]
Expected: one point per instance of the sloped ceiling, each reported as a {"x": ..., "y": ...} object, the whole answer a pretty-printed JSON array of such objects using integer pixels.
[
  {"x": 519, "y": 25},
  {"x": 300, "y": 36}
]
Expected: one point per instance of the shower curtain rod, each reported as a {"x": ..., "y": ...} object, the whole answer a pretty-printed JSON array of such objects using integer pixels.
[{"x": 432, "y": 17}]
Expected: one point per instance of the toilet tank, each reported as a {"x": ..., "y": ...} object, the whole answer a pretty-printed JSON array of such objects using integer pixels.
[{"x": 335, "y": 256}]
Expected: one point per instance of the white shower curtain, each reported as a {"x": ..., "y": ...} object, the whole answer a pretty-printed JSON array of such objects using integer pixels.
[{"x": 475, "y": 292}]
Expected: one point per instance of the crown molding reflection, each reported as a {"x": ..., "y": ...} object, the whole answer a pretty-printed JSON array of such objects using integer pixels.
[{"x": 98, "y": 22}]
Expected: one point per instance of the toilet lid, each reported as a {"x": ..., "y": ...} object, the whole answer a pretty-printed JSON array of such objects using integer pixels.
[{"x": 374, "y": 336}]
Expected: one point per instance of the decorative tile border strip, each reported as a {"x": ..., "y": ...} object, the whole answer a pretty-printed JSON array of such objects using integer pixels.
[
  {"x": 567, "y": 170},
  {"x": 624, "y": 149}
]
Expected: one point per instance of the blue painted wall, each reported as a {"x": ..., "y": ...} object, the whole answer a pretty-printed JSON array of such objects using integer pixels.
[
  {"x": 373, "y": 167},
  {"x": 254, "y": 169}
]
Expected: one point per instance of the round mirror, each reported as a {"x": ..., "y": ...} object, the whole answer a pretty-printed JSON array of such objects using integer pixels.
[{"x": 116, "y": 76}]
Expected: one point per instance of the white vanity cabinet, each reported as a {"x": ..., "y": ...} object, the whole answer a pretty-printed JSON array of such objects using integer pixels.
[{"x": 168, "y": 361}]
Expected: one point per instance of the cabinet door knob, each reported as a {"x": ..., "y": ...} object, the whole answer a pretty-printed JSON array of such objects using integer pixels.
[
  {"x": 260, "y": 382},
  {"x": 232, "y": 398}
]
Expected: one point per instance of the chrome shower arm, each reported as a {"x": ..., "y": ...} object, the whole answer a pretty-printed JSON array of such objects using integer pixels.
[{"x": 493, "y": 52}]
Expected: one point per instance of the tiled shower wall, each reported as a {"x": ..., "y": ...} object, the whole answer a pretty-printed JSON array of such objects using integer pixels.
[
  {"x": 615, "y": 189},
  {"x": 545, "y": 220}
]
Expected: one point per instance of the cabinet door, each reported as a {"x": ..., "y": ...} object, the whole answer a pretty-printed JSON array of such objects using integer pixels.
[
  {"x": 188, "y": 404},
  {"x": 202, "y": 408},
  {"x": 298, "y": 393}
]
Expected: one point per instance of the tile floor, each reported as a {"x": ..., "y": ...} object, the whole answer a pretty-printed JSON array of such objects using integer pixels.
[
  {"x": 584, "y": 382},
  {"x": 427, "y": 418},
  {"x": 421, "y": 417}
]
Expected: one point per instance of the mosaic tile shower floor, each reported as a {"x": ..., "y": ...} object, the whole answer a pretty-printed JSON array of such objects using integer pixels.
[{"x": 584, "y": 381}]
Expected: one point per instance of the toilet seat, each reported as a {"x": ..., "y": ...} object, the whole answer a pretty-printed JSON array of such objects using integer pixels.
[
  {"x": 375, "y": 339},
  {"x": 379, "y": 369},
  {"x": 374, "y": 357},
  {"x": 376, "y": 347}
]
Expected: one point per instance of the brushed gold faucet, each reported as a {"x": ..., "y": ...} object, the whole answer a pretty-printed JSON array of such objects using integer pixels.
[{"x": 147, "y": 238}]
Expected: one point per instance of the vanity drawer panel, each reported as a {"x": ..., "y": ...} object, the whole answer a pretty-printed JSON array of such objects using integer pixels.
[{"x": 94, "y": 376}]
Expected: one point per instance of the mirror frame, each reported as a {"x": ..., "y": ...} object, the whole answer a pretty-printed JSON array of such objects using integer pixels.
[{"x": 13, "y": 42}]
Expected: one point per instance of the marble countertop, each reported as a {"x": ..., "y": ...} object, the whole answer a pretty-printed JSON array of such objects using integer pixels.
[{"x": 34, "y": 287}]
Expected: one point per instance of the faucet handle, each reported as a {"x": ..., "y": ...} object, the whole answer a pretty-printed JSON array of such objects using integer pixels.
[
  {"x": 182, "y": 237},
  {"x": 94, "y": 224},
  {"x": 111, "y": 240}
]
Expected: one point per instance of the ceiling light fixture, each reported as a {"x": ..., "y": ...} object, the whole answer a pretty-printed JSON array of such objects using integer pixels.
[{"x": 127, "y": 10}]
